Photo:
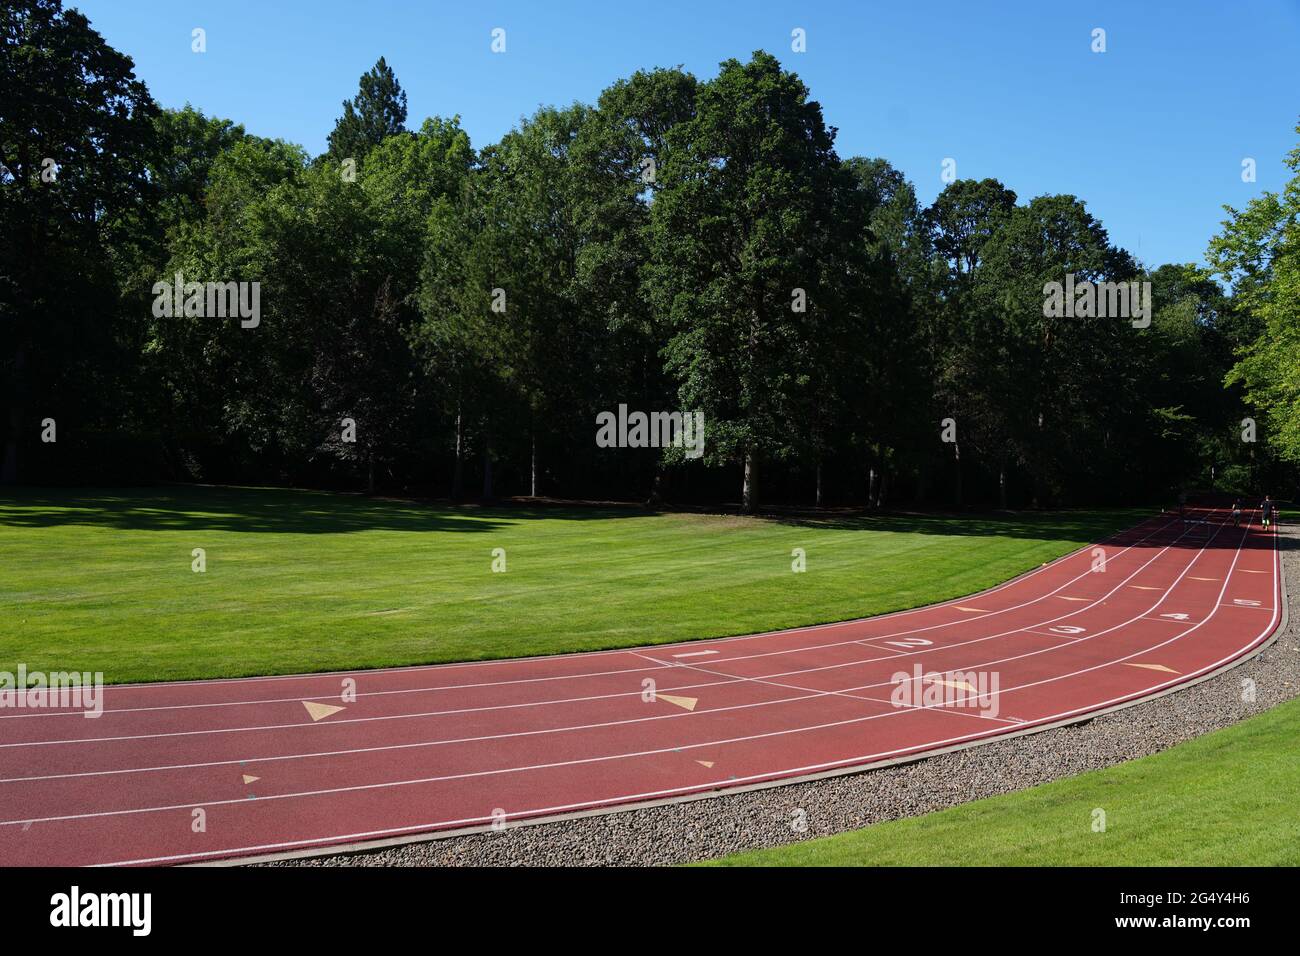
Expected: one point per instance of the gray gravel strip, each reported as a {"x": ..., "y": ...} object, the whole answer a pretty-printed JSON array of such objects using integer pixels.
[{"x": 716, "y": 826}]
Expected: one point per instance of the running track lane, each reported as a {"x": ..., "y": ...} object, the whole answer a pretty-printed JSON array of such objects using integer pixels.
[{"x": 420, "y": 749}]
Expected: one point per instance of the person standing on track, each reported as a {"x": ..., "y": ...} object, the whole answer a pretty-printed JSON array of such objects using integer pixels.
[
  {"x": 1266, "y": 510},
  {"x": 1236, "y": 513}
]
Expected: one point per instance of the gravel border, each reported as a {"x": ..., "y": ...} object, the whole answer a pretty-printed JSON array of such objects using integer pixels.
[{"x": 716, "y": 826}]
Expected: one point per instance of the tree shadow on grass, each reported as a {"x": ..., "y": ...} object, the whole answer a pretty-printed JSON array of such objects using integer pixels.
[
  {"x": 1119, "y": 527},
  {"x": 260, "y": 510},
  {"x": 1087, "y": 525},
  {"x": 295, "y": 511}
]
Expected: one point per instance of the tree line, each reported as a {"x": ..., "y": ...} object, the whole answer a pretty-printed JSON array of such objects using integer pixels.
[{"x": 443, "y": 319}]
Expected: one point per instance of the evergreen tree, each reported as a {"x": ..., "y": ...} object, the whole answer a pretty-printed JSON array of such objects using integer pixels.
[{"x": 375, "y": 113}]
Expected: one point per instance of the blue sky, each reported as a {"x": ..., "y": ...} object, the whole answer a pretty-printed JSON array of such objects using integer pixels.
[{"x": 1151, "y": 133}]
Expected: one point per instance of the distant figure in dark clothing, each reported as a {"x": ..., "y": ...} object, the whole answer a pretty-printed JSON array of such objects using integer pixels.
[
  {"x": 1266, "y": 510},
  {"x": 1236, "y": 513}
]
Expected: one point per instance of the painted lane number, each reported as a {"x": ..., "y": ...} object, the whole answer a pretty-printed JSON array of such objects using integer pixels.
[{"x": 911, "y": 642}]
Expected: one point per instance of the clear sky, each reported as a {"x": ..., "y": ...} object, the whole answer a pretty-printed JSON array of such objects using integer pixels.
[{"x": 1151, "y": 133}]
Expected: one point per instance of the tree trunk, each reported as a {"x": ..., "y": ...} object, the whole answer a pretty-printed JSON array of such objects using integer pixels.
[
  {"x": 883, "y": 496},
  {"x": 9, "y": 466},
  {"x": 1038, "y": 458},
  {"x": 956, "y": 457},
  {"x": 9, "y": 463},
  {"x": 819, "y": 485},
  {"x": 656, "y": 488},
  {"x": 1002, "y": 485},
  {"x": 871, "y": 486},
  {"x": 749, "y": 491},
  {"x": 487, "y": 461},
  {"x": 370, "y": 473},
  {"x": 457, "y": 473},
  {"x": 533, "y": 468}
]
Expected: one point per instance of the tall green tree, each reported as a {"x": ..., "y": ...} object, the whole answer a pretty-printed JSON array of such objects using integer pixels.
[
  {"x": 188, "y": 143},
  {"x": 240, "y": 398},
  {"x": 1052, "y": 387},
  {"x": 616, "y": 157},
  {"x": 744, "y": 228},
  {"x": 964, "y": 217},
  {"x": 968, "y": 346},
  {"x": 405, "y": 179},
  {"x": 499, "y": 293},
  {"x": 329, "y": 374},
  {"x": 1259, "y": 253},
  {"x": 885, "y": 376},
  {"x": 375, "y": 113},
  {"x": 1185, "y": 410},
  {"x": 76, "y": 130}
]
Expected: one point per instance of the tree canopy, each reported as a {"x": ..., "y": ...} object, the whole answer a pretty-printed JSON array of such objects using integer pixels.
[{"x": 438, "y": 316}]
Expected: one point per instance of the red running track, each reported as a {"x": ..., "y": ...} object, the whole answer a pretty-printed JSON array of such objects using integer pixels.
[{"x": 428, "y": 748}]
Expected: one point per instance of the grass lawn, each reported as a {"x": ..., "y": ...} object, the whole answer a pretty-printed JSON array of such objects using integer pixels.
[
  {"x": 300, "y": 581},
  {"x": 1229, "y": 798}
]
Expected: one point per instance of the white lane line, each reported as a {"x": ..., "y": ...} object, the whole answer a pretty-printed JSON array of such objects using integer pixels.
[
  {"x": 727, "y": 641},
  {"x": 892, "y": 652},
  {"x": 1071, "y": 638},
  {"x": 660, "y": 666}
]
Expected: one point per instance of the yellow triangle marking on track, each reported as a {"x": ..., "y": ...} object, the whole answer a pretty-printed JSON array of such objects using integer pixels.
[
  {"x": 687, "y": 702},
  {"x": 1249, "y": 571},
  {"x": 977, "y": 610},
  {"x": 1195, "y": 578},
  {"x": 705, "y": 763},
  {"x": 320, "y": 711},
  {"x": 248, "y": 779},
  {"x": 1142, "y": 587},
  {"x": 1064, "y": 598},
  {"x": 1153, "y": 667},
  {"x": 959, "y": 684}
]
